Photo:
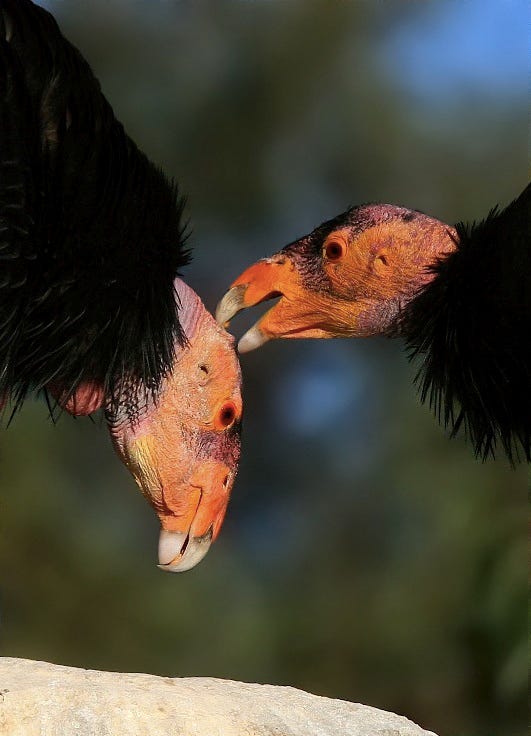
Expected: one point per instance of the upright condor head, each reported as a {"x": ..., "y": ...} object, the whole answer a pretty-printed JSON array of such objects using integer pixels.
[
  {"x": 350, "y": 277},
  {"x": 182, "y": 445}
]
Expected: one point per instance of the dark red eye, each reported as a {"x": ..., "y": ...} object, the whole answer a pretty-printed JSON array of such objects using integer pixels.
[
  {"x": 334, "y": 250},
  {"x": 226, "y": 415}
]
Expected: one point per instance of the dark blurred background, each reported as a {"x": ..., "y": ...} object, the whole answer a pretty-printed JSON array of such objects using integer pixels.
[{"x": 364, "y": 555}]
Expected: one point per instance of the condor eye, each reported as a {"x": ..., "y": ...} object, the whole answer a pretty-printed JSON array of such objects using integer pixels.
[
  {"x": 334, "y": 250},
  {"x": 226, "y": 415}
]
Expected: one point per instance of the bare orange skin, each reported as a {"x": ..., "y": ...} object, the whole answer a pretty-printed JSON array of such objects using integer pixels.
[
  {"x": 182, "y": 446},
  {"x": 184, "y": 452},
  {"x": 348, "y": 278}
]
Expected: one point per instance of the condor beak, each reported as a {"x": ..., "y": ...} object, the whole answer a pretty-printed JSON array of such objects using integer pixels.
[
  {"x": 297, "y": 313},
  {"x": 178, "y": 551},
  {"x": 261, "y": 281},
  {"x": 186, "y": 536}
]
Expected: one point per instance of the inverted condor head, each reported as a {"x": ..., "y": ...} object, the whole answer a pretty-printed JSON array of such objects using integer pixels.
[{"x": 183, "y": 445}]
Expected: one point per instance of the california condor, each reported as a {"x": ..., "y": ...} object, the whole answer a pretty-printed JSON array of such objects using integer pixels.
[
  {"x": 459, "y": 296},
  {"x": 93, "y": 312}
]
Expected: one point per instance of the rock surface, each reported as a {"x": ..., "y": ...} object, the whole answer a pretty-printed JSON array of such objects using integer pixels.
[{"x": 41, "y": 699}]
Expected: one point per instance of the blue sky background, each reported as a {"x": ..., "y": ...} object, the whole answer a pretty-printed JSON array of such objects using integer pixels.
[{"x": 452, "y": 50}]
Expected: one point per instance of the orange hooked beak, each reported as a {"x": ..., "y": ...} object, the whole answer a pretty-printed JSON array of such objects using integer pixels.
[{"x": 299, "y": 313}]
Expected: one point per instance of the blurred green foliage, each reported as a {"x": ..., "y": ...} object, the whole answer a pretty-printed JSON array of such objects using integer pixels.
[{"x": 364, "y": 555}]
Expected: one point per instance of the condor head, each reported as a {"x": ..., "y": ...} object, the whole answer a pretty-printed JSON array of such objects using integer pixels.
[
  {"x": 182, "y": 445},
  {"x": 350, "y": 277}
]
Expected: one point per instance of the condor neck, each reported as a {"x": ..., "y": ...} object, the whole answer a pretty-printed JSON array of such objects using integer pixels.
[{"x": 470, "y": 328}]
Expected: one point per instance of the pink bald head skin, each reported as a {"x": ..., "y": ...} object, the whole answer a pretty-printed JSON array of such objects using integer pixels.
[{"x": 192, "y": 313}]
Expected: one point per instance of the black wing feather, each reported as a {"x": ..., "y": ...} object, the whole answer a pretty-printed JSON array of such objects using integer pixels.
[
  {"x": 18, "y": 206},
  {"x": 107, "y": 234}
]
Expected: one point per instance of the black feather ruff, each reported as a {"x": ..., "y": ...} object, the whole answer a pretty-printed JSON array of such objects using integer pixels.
[
  {"x": 471, "y": 329},
  {"x": 91, "y": 232}
]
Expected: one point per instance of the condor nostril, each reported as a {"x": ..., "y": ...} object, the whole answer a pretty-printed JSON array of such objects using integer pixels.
[
  {"x": 226, "y": 481},
  {"x": 226, "y": 416}
]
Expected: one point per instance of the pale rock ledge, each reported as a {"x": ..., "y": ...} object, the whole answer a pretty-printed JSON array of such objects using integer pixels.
[{"x": 41, "y": 699}]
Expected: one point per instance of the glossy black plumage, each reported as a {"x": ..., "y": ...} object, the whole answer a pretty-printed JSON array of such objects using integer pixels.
[
  {"x": 471, "y": 327},
  {"x": 91, "y": 232}
]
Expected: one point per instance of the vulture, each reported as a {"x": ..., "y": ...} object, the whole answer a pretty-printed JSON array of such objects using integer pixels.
[
  {"x": 93, "y": 310},
  {"x": 460, "y": 297}
]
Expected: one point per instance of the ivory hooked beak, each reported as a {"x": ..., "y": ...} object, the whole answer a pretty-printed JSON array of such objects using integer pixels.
[
  {"x": 178, "y": 551},
  {"x": 231, "y": 303}
]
